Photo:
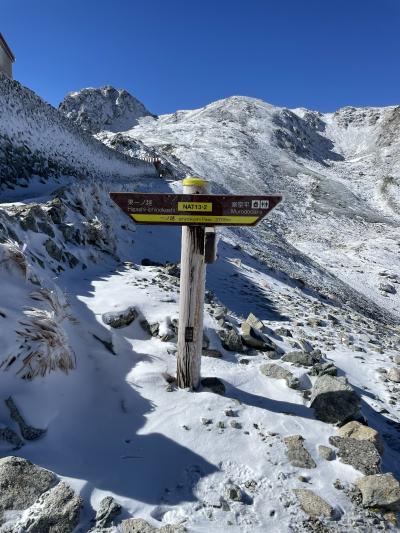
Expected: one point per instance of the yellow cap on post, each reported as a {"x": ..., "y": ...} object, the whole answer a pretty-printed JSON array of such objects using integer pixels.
[{"x": 194, "y": 180}]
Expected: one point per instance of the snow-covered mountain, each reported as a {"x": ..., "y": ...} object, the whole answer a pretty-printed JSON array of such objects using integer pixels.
[
  {"x": 298, "y": 431},
  {"x": 103, "y": 109}
]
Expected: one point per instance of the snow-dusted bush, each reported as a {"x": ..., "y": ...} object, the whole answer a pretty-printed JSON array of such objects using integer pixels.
[{"x": 12, "y": 256}]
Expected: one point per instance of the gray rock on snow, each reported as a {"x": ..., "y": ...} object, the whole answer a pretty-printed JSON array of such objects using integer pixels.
[
  {"x": 151, "y": 329},
  {"x": 312, "y": 504},
  {"x": 334, "y": 400},
  {"x": 22, "y": 482},
  {"x": 55, "y": 511},
  {"x": 387, "y": 288},
  {"x": 233, "y": 493},
  {"x": 138, "y": 525},
  {"x": 120, "y": 319},
  {"x": 254, "y": 322},
  {"x": 322, "y": 369},
  {"x": 276, "y": 371},
  {"x": 296, "y": 453},
  {"x": 107, "y": 511},
  {"x": 231, "y": 340},
  {"x": 28, "y": 432},
  {"x": 393, "y": 374},
  {"x": 380, "y": 490},
  {"x": 360, "y": 454},
  {"x": 356, "y": 430},
  {"x": 325, "y": 452},
  {"x": 300, "y": 358},
  {"x": 252, "y": 338}
]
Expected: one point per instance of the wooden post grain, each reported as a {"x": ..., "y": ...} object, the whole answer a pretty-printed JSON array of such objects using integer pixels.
[{"x": 191, "y": 305}]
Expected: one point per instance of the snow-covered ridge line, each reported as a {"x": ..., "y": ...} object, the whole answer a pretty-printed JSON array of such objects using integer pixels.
[{"x": 35, "y": 138}]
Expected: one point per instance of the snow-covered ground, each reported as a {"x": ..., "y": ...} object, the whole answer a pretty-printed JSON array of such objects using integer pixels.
[{"x": 115, "y": 423}]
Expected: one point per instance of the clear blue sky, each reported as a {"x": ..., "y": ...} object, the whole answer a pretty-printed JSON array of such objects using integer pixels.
[{"x": 181, "y": 54}]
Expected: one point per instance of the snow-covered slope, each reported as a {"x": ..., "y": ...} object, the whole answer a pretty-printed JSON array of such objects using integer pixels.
[
  {"x": 103, "y": 109},
  {"x": 339, "y": 174},
  {"x": 37, "y": 140},
  {"x": 72, "y": 266}
]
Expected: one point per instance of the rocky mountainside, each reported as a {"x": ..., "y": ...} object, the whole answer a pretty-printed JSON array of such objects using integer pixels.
[
  {"x": 296, "y": 425},
  {"x": 103, "y": 109}
]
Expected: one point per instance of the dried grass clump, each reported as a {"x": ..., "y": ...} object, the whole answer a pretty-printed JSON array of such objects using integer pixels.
[
  {"x": 56, "y": 301},
  {"x": 13, "y": 253},
  {"x": 45, "y": 345}
]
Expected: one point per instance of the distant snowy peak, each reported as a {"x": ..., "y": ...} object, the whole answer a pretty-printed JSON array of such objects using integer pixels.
[{"x": 103, "y": 109}]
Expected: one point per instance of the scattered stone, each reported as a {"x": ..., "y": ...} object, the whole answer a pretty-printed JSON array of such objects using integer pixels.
[
  {"x": 304, "y": 345},
  {"x": 360, "y": 454},
  {"x": 303, "y": 479},
  {"x": 299, "y": 358},
  {"x": 220, "y": 312},
  {"x": 254, "y": 322},
  {"x": 325, "y": 452},
  {"x": 316, "y": 322},
  {"x": 251, "y": 485},
  {"x": 235, "y": 424},
  {"x": 11, "y": 437},
  {"x": 356, "y": 430},
  {"x": 221, "y": 424},
  {"x": 380, "y": 490},
  {"x": 231, "y": 340},
  {"x": 283, "y": 332},
  {"x": 334, "y": 400},
  {"x": 396, "y": 359},
  {"x": 234, "y": 493},
  {"x": 151, "y": 329},
  {"x": 312, "y": 504},
  {"x": 244, "y": 361},
  {"x": 138, "y": 525},
  {"x": 338, "y": 485},
  {"x": 28, "y": 432},
  {"x": 173, "y": 269},
  {"x": 251, "y": 338},
  {"x": 323, "y": 369},
  {"x": 230, "y": 412},
  {"x": 21, "y": 483},
  {"x": 120, "y": 319},
  {"x": 206, "y": 421},
  {"x": 297, "y": 454},
  {"x": 387, "y": 288},
  {"x": 214, "y": 385},
  {"x": 211, "y": 353},
  {"x": 53, "y": 250},
  {"x": 57, "y": 510},
  {"x": 394, "y": 374},
  {"x": 275, "y": 371},
  {"x": 107, "y": 511}
]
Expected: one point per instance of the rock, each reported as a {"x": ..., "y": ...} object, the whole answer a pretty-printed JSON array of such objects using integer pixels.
[
  {"x": 21, "y": 483},
  {"x": 120, "y": 319},
  {"x": 250, "y": 337},
  {"x": 356, "y": 430},
  {"x": 53, "y": 250},
  {"x": 55, "y": 511},
  {"x": 107, "y": 511},
  {"x": 394, "y": 374},
  {"x": 151, "y": 329},
  {"x": 325, "y": 452},
  {"x": 283, "y": 332},
  {"x": 334, "y": 400},
  {"x": 211, "y": 353},
  {"x": 297, "y": 454},
  {"x": 380, "y": 490},
  {"x": 235, "y": 424},
  {"x": 323, "y": 369},
  {"x": 138, "y": 525},
  {"x": 173, "y": 269},
  {"x": 254, "y": 322},
  {"x": 11, "y": 437},
  {"x": 275, "y": 371},
  {"x": 213, "y": 384},
  {"x": 312, "y": 504},
  {"x": 387, "y": 288},
  {"x": 396, "y": 359},
  {"x": 220, "y": 312},
  {"x": 360, "y": 454},
  {"x": 231, "y": 340},
  {"x": 304, "y": 345},
  {"x": 28, "y": 432},
  {"x": 316, "y": 322},
  {"x": 234, "y": 493},
  {"x": 299, "y": 358}
]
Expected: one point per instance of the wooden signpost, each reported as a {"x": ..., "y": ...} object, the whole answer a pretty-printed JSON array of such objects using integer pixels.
[{"x": 198, "y": 213}]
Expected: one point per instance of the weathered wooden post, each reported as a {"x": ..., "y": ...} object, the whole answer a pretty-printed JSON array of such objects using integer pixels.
[{"x": 191, "y": 303}]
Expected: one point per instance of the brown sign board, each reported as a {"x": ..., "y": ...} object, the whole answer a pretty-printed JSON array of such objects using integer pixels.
[{"x": 195, "y": 209}]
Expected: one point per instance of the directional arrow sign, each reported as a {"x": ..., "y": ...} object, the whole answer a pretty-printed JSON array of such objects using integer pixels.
[{"x": 195, "y": 209}]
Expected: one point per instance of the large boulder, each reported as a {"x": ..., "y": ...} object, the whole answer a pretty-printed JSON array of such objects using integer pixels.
[
  {"x": 252, "y": 338},
  {"x": 55, "y": 511},
  {"x": 296, "y": 453},
  {"x": 361, "y": 454},
  {"x": 312, "y": 504},
  {"x": 107, "y": 511},
  {"x": 120, "y": 319},
  {"x": 380, "y": 490},
  {"x": 21, "y": 483},
  {"x": 334, "y": 400},
  {"x": 356, "y": 430},
  {"x": 276, "y": 371},
  {"x": 231, "y": 340}
]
